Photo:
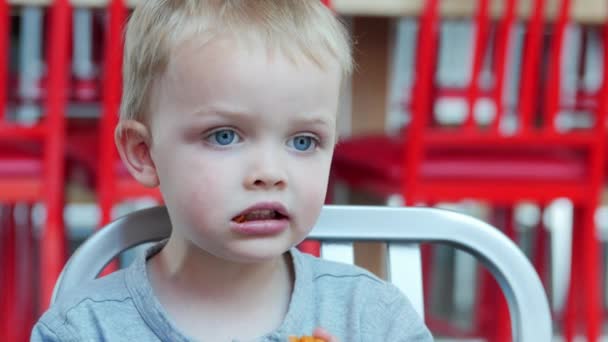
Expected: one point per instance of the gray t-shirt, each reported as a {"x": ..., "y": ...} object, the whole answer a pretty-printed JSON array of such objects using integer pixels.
[{"x": 348, "y": 301}]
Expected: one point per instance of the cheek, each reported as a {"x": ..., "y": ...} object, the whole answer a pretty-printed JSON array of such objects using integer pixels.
[
  {"x": 197, "y": 201},
  {"x": 203, "y": 187},
  {"x": 311, "y": 191},
  {"x": 194, "y": 184}
]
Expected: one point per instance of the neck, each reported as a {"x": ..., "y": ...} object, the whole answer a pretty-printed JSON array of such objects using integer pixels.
[
  {"x": 215, "y": 299},
  {"x": 183, "y": 270}
]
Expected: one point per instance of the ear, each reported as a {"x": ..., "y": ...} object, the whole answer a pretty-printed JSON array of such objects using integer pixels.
[{"x": 133, "y": 140}]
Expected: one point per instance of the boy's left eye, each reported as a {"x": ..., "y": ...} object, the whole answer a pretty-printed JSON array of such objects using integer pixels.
[{"x": 302, "y": 142}]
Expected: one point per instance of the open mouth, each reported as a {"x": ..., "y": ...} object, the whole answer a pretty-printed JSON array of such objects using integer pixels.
[{"x": 259, "y": 215}]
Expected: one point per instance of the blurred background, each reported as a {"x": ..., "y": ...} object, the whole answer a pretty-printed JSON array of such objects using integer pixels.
[{"x": 492, "y": 108}]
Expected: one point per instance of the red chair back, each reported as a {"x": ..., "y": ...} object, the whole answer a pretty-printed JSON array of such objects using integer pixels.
[
  {"x": 539, "y": 99},
  {"x": 32, "y": 155}
]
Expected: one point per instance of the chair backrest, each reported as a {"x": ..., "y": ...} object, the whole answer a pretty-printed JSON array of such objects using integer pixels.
[
  {"x": 533, "y": 127},
  {"x": 338, "y": 227},
  {"x": 30, "y": 76},
  {"x": 536, "y": 116}
]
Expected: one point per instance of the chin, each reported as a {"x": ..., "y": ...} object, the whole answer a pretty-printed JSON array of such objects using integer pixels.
[{"x": 254, "y": 253}]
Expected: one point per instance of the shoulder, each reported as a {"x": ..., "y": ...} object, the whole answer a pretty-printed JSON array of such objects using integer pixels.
[
  {"x": 111, "y": 288},
  {"x": 384, "y": 312},
  {"x": 352, "y": 280},
  {"x": 345, "y": 283},
  {"x": 326, "y": 270},
  {"x": 79, "y": 311}
]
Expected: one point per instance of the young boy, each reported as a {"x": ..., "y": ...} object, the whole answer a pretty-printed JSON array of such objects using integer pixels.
[{"x": 230, "y": 107}]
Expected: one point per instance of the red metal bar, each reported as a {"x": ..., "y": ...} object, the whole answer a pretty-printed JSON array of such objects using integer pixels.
[
  {"x": 591, "y": 290},
  {"x": 11, "y": 132},
  {"x": 20, "y": 189},
  {"x": 572, "y": 306},
  {"x": 8, "y": 300},
  {"x": 491, "y": 310},
  {"x": 501, "y": 320},
  {"x": 574, "y": 139},
  {"x": 482, "y": 26},
  {"x": 540, "y": 258},
  {"x": 554, "y": 78},
  {"x": 427, "y": 42},
  {"x": 4, "y": 47},
  {"x": 112, "y": 88},
  {"x": 602, "y": 110},
  {"x": 590, "y": 250},
  {"x": 502, "y": 48},
  {"x": 53, "y": 251},
  {"x": 530, "y": 68},
  {"x": 28, "y": 274},
  {"x": 503, "y": 192}
]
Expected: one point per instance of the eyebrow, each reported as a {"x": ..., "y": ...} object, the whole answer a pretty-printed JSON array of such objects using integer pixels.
[
  {"x": 315, "y": 121},
  {"x": 222, "y": 112}
]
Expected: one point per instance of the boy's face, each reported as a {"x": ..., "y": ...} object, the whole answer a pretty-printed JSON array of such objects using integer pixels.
[{"x": 235, "y": 128}]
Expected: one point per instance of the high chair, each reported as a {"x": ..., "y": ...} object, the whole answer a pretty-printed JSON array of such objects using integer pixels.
[
  {"x": 32, "y": 171},
  {"x": 338, "y": 227},
  {"x": 535, "y": 162}
]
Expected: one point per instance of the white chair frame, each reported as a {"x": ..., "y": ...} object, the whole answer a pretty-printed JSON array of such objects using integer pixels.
[{"x": 338, "y": 227}]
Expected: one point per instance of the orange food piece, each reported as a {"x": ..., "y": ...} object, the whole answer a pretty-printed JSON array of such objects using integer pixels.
[
  {"x": 305, "y": 339},
  {"x": 241, "y": 219}
]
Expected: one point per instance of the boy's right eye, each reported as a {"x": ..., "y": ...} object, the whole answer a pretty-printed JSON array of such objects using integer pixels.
[{"x": 223, "y": 137}]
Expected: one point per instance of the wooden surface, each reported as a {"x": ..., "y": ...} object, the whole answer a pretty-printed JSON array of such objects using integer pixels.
[
  {"x": 369, "y": 82},
  {"x": 76, "y": 3},
  {"x": 588, "y": 11},
  {"x": 368, "y": 108}
]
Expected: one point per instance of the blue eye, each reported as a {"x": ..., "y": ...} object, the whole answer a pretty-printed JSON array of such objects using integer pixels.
[
  {"x": 223, "y": 137},
  {"x": 302, "y": 142}
]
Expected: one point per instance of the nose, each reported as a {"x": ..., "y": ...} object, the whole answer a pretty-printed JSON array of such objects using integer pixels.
[{"x": 267, "y": 171}]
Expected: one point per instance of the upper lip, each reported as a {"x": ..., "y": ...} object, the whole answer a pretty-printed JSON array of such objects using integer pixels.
[{"x": 276, "y": 206}]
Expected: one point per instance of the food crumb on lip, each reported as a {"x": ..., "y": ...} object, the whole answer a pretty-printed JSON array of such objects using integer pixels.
[{"x": 256, "y": 216}]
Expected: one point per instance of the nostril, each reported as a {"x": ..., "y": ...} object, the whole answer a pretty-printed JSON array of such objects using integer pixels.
[{"x": 269, "y": 182}]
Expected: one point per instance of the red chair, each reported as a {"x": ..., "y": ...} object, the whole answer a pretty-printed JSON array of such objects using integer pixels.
[
  {"x": 432, "y": 163},
  {"x": 92, "y": 145},
  {"x": 32, "y": 170}
]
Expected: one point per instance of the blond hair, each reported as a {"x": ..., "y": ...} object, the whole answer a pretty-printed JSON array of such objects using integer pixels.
[{"x": 298, "y": 27}]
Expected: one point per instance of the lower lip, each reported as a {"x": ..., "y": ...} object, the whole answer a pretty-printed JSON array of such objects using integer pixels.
[{"x": 261, "y": 227}]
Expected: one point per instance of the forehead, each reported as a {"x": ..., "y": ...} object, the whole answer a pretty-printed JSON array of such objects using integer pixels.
[{"x": 202, "y": 72}]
